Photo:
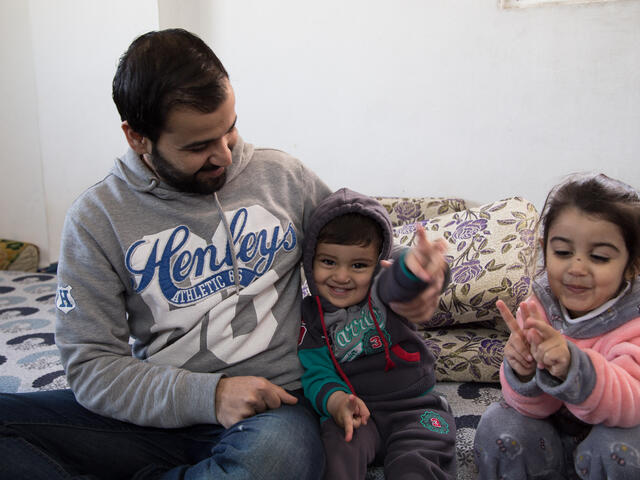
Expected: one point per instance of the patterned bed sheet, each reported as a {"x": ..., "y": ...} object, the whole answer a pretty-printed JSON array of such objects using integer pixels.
[{"x": 29, "y": 358}]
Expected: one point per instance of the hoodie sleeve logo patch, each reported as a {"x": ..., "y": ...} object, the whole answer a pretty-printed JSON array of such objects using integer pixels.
[
  {"x": 434, "y": 421},
  {"x": 64, "y": 301}
]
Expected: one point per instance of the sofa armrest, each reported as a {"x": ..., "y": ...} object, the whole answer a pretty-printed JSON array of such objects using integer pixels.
[{"x": 19, "y": 256}]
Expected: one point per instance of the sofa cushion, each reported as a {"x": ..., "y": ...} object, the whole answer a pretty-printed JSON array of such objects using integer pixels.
[
  {"x": 407, "y": 210},
  {"x": 491, "y": 252},
  {"x": 467, "y": 353}
]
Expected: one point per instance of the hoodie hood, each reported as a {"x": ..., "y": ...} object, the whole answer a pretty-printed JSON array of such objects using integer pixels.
[
  {"x": 340, "y": 203},
  {"x": 139, "y": 177},
  {"x": 132, "y": 169}
]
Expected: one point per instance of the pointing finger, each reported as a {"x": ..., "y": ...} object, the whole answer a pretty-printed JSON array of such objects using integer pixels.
[{"x": 509, "y": 319}]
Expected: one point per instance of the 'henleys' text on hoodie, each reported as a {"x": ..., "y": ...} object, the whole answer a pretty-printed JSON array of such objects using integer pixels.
[{"x": 175, "y": 258}]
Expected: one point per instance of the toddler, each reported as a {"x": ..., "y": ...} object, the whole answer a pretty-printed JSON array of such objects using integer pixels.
[{"x": 368, "y": 372}]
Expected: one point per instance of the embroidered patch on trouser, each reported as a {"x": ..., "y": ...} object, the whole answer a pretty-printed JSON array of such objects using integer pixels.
[{"x": 434, "y": 422}]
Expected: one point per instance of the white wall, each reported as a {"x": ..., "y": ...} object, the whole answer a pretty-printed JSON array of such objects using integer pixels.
[
  {"x": 439, "y": 97},
  {"x": 22, "y": 196},
  {"x": 412, "y": 97},
  {"x": 63, "y": 56}
]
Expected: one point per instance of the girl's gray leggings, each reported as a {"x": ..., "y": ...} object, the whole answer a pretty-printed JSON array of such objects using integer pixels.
[{"x": 509, "y": 445}]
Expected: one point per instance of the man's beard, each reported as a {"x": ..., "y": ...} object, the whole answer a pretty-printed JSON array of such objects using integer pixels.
[{"x": 183, "y": 182}]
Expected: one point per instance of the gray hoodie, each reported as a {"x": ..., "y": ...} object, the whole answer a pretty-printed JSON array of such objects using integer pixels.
[{"x": 203, "y": 285}]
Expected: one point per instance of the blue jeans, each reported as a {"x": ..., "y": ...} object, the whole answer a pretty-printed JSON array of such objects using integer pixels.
[{"x": 49, "y": 436}]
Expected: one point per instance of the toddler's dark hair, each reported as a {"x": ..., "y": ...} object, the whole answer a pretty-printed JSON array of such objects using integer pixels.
[
  {"x": 352, "y": 229},
  {"x": 603, "y": 197}
]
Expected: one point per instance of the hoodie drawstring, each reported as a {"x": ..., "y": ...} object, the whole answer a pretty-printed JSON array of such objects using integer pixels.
[
  {"x": 153, "y": 183},
  {"x": 227, "y": 229},
  {"x": 389, "y": 365},
  {"x": 389, "y": 362},
  {"x": 333, "y": 357}
]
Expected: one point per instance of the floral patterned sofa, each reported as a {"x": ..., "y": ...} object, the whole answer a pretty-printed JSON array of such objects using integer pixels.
[{"x": 491, "y": 256}]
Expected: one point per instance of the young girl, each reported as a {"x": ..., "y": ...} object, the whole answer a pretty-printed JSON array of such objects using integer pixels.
[{"x": 571, "y": 371}]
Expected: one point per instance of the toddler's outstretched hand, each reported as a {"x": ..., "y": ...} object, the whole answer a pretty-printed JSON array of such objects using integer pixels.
[
  {"x": 348, "y": 411},
  {"x": 517, "y": 350},
  {"x": 426, "y": 259}
]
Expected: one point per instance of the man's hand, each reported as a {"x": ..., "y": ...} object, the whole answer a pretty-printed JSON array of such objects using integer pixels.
[
  {"x": 517, "y": 350},
  {"x": 348, "y": 411},
  {"x": 242, "y": 397}
]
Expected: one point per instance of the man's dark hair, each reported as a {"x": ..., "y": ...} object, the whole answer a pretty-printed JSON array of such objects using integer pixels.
[
  {"x": 162, "y": 70},
  {"x": 352, "y": 229}
]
